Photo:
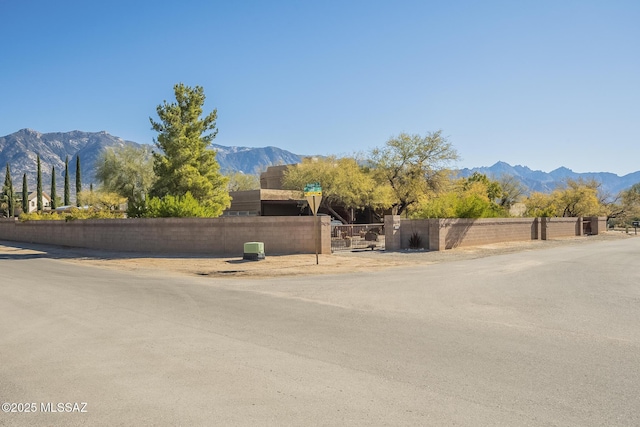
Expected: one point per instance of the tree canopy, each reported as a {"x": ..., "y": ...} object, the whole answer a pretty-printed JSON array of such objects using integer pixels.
[
  {"x": 184, "y": 162},
  {"x": 39, "y": 185},
  {"x": 473, "y": 197},
  {"x": 344, "y": 183},
  {"x": 25, "y": 194},
  {"x": 413, "y": 165},
  {"x": 78, "y": 181},
  {"x": 7, "y": 191},
  {"x": 574, "y": 198},
  {"x": 127, "y": 170},
  {"x": 512, "y": 190},
  {"x": 625, "y": 208},
  {"x": 67, "y": 191},
  {"x": 239, "y": 181},
  {"x": 54, "y": 195}
]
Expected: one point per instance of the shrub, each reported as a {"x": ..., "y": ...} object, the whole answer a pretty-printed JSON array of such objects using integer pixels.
[
  {"x": 137, "y": 206},
  {"x": 92, "y": 213},
  {"x": 41, "y": 216},
  {"x": 178, "y": 207},
  {"x": 71, "y": 215},
  {"x": 415, "y": 241}
]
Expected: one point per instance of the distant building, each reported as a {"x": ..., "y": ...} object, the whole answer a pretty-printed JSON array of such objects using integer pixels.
[
  {"x": 272, "y": 200},
  {"x": 269, "y": 200},
  {"x": 33, "y": 202},
  {"x": 266, "y": 202}
]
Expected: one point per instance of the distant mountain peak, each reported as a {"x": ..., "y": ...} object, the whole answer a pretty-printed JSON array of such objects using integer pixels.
[
  {"x": 501, "y": 164},
  {"x": 562, "y": 169},
  {"x": 27, "y": 131}
]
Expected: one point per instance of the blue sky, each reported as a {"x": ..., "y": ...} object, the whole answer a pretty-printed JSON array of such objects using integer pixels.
[{"x": 538, "y": 83}]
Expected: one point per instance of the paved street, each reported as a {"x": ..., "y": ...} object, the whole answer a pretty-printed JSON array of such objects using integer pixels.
[{"x": 536, "y": 338}]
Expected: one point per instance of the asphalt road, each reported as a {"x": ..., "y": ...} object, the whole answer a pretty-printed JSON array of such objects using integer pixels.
[{"x": 537, "y": 338}]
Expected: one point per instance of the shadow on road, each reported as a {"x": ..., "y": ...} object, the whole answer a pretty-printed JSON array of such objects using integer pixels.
[
  {"x": 21, "y": 256},
  {"x": 16, "y": 251}
]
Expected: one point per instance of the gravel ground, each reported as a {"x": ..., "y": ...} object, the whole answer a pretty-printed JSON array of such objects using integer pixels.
[{"x": 283, "y": 265}]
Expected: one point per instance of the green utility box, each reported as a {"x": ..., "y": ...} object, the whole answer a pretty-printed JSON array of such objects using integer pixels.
[{"x": 253, "y": 251}]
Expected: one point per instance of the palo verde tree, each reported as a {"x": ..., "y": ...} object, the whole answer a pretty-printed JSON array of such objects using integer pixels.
[
  {"x": 574, "y": 198},
  {"x": 67, "y": 191},
  {"x": 413, "y": 166},
  {"x": 344, "y": 184},
  {"x": 25, "y": 194},
  {"x": 54, "y": 203},
  {"x": 492, "y": 187},
  {"x": 630, "y": 201},
  {"x": 78, "y": 181},
  {"x": 578, "y": 198},
  {"x": 39, "y": 186},
  {"x": 184, "y": 163},
  {"x": 472, "y": 197}
]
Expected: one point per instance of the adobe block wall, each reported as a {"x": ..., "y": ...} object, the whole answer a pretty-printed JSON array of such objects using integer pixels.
[
  {"x": 452, "y": 233},
  {"x": 392, "y": 233},
  {"x": 552, "y": 228},
  {"x": 210, "y": 236},
  {"x": 398, "y": 231},
  {"x": 441, "y": 234},
  {"x": 598, "y": 224},
  {"x": 460, "y": 232},
  {"x": 411, "y": 226}
]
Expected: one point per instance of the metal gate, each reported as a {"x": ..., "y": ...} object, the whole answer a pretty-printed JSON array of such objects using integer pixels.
[{"x": 357, "y": 236}]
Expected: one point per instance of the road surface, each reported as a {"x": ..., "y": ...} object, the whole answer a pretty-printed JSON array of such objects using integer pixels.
[{"x": 536, "y": 338}]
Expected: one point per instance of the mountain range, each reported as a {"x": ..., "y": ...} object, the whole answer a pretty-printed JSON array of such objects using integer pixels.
[
  {"x": 20, "y": 151},
  {"x": 21, "y": 148},
  {"x": 545, "y": 182}
]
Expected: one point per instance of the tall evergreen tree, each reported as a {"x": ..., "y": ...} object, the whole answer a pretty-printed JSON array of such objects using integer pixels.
[
  {"x": 67, "y": 197},
  {"x": 25, "y": 194},
  {"x": 39, "y": 187},
  {"x": 8, "y": 192},
  {"x": 54, "y": 204},
  {"x": 184, "y": 164},
  {"x": 78, "y": 181}
]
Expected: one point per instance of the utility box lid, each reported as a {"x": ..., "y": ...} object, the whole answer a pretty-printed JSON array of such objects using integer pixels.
[
  {"x": 253, "y": 251},
  {"x": 254, "y": 248}
]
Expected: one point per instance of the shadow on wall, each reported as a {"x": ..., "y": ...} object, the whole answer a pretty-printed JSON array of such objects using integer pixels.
[
  {"x": 418, "y": 235},
  {"x": 456, "y": 231}
]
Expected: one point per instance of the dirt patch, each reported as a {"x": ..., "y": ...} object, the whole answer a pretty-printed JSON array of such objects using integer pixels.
[{"x": 284, "y": 265}]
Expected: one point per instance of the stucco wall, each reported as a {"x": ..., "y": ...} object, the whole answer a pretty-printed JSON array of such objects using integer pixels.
[{"x": 213, "y": 236}]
